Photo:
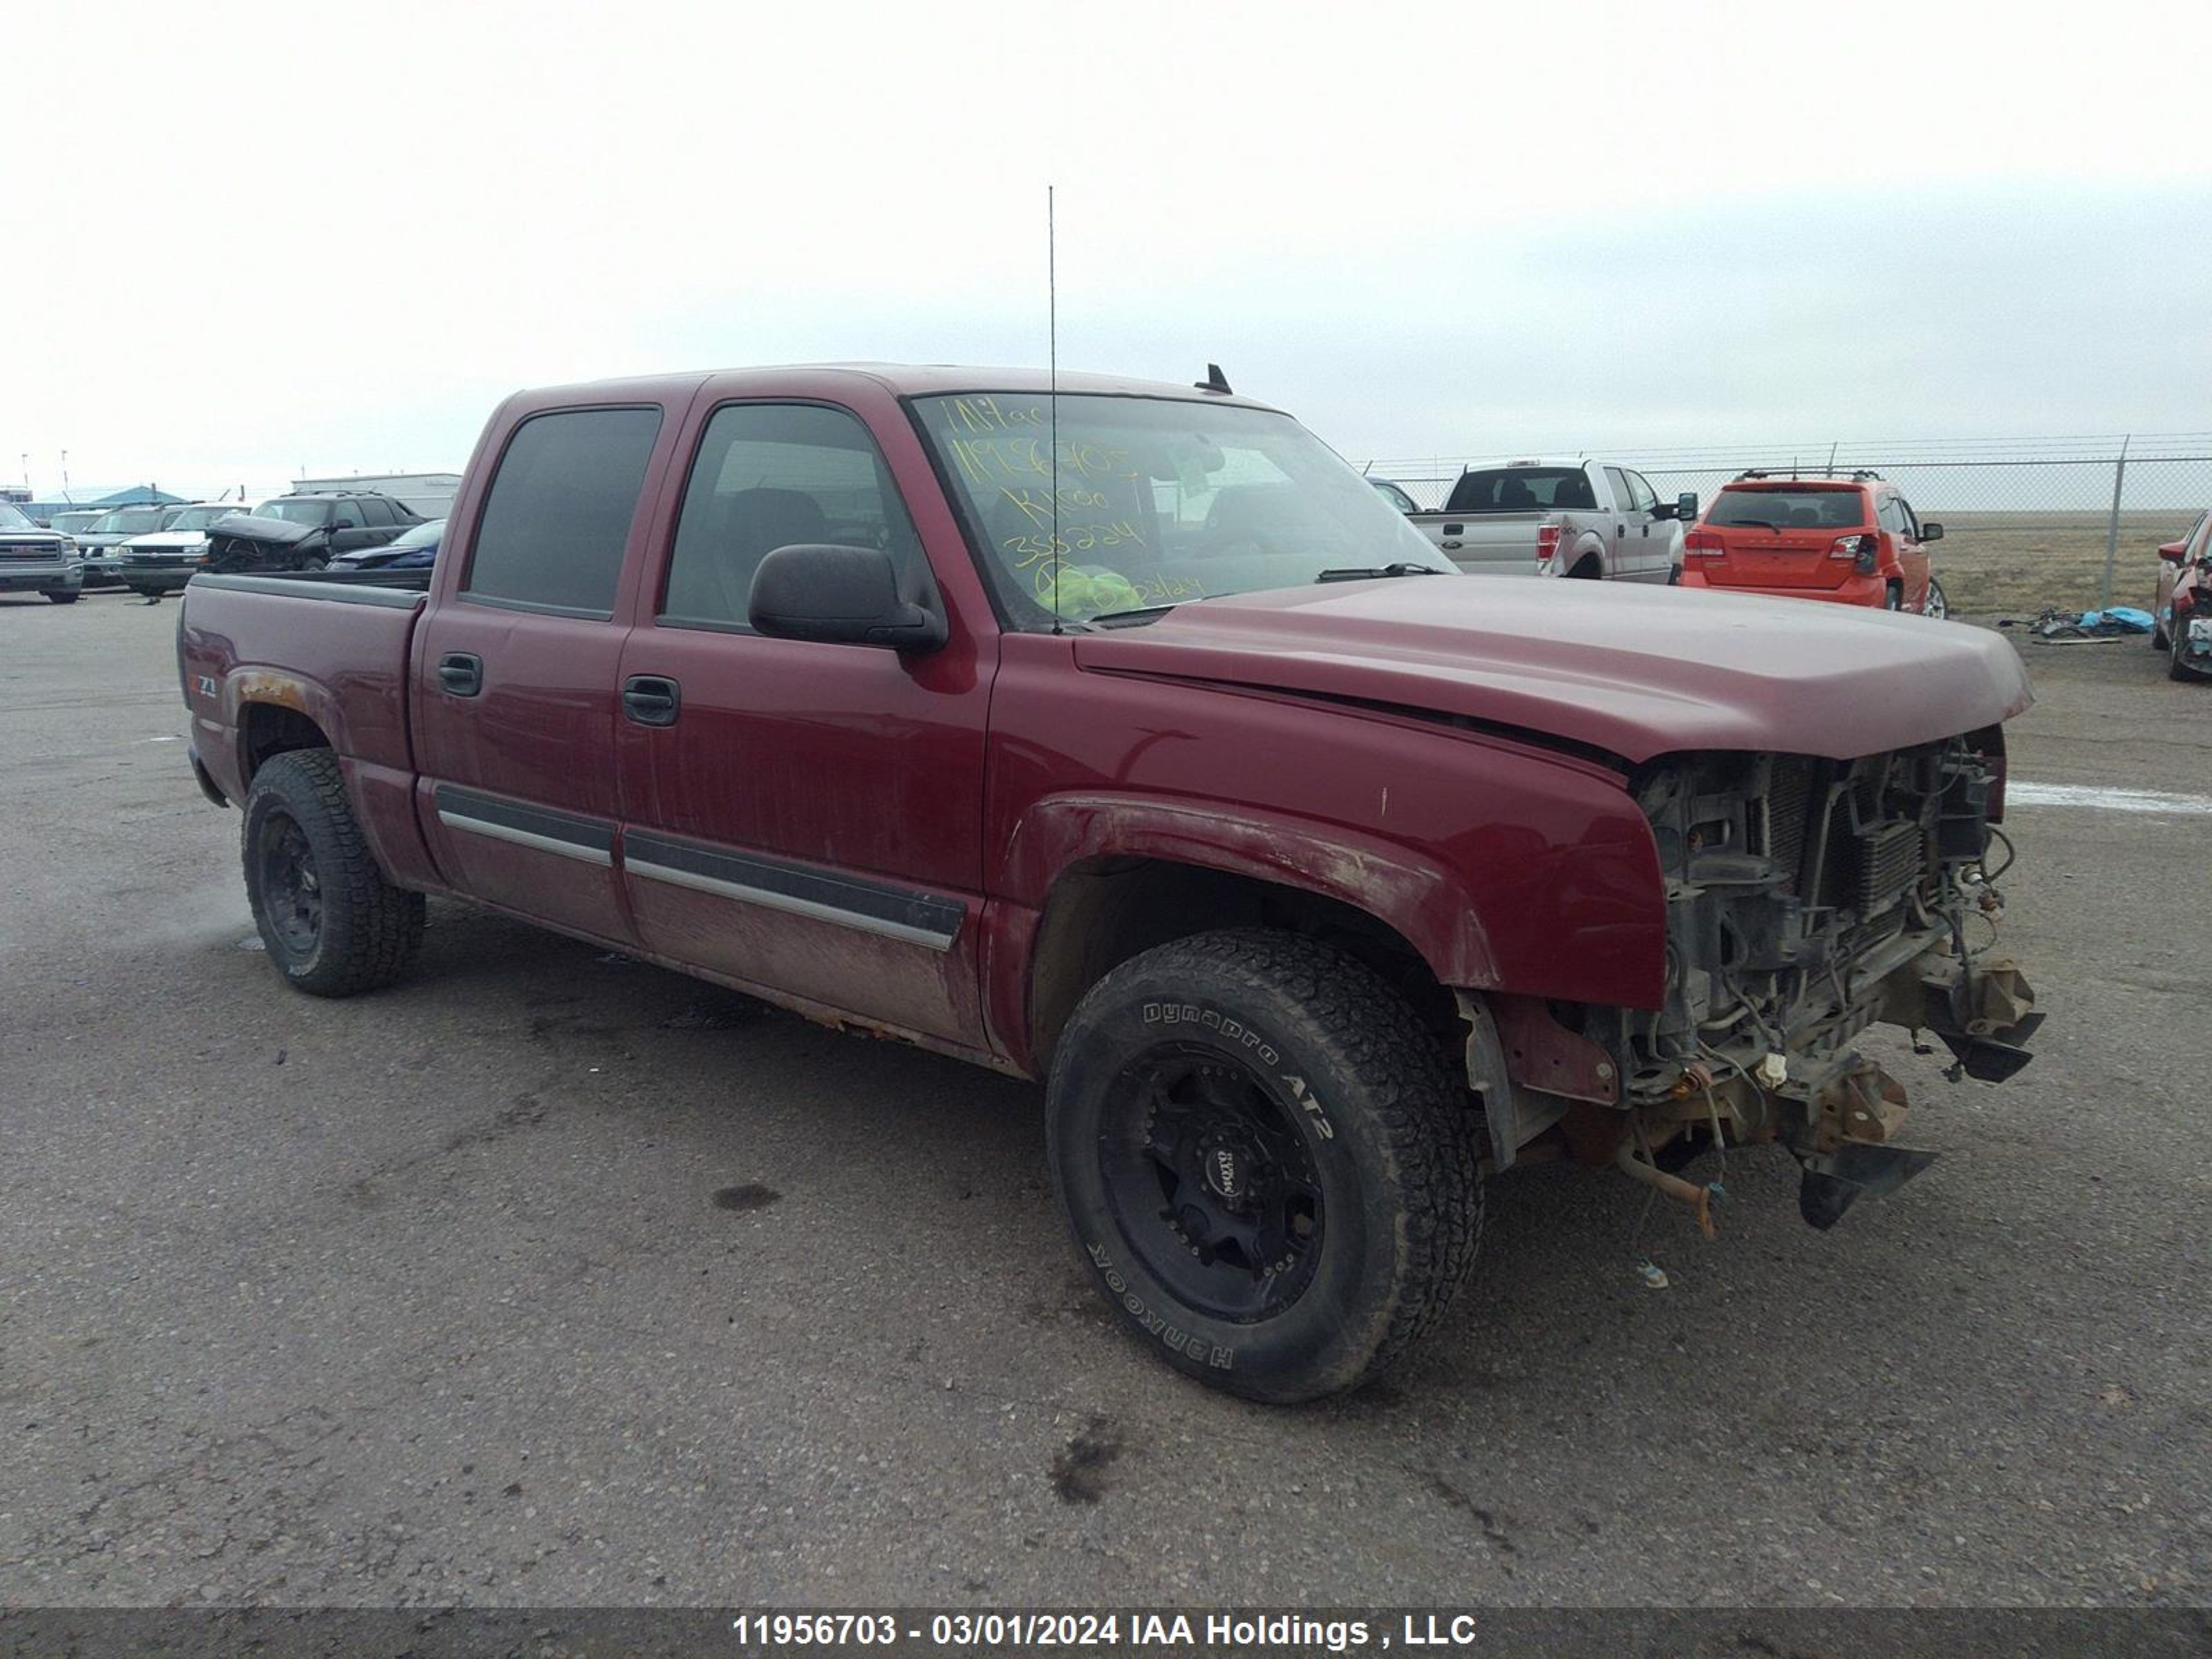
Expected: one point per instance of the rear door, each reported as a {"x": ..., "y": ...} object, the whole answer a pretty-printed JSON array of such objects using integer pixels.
[
  {"x": 799, "y": 817},
  {"x": 516, "y": 671}
]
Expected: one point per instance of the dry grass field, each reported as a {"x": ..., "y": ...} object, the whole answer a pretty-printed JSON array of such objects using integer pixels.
[{"x": 2013, "y": 564}]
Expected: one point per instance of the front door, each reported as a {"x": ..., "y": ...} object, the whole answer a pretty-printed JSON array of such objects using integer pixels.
[
  {"x": 516, "y": 672},
  {"x": 802, "y": 817}
]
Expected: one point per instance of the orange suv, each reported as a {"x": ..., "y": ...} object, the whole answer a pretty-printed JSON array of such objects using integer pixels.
[{"x": 1851, "y": 539}]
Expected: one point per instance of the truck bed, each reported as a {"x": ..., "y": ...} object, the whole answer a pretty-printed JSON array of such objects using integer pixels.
[{"x": 334, "y": 649}]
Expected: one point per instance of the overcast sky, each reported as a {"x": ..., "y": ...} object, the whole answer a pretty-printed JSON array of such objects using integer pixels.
[{"x": 256, "y": 238}]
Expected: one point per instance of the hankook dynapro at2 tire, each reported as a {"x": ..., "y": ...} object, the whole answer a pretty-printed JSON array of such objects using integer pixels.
[
  {"x": 1268, "y": 1165},
  {"x": 332, "y": 923}
]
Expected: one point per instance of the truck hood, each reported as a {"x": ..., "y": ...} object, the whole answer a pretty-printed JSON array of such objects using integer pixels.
[
  {"x": 264, "y": 533},
  {"x": 1633, "y": 671}
]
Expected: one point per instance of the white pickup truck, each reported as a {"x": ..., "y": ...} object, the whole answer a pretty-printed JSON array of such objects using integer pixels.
[{"x": 1561, "y": 518}]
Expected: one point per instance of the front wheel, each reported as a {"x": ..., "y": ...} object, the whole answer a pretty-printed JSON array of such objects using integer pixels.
[
  {"x": 2178, "y": 665},
  {"x": 59, "y": 597},
  {"x": 332, "y": 923},
  {"x": 1936, "y": 604},
  {"x": 1268, "y": 1166}
]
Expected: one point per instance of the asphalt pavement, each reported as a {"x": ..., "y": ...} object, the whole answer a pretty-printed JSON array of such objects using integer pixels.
[{"x": 549, "y": 1278}]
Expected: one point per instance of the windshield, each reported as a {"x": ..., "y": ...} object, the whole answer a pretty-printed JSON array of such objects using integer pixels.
[
  {"x": 74, "y": 522},
  {"x": 422, "y": 535},
  {"x": 293, "y": 512},
  {"x": 133, "y": 521},
  {"x": 199, "y": 517},
  {"x": 1161, "y": 501},
  {"x": 12, "y": 518},
  {"x": 1790, "y": 509}
]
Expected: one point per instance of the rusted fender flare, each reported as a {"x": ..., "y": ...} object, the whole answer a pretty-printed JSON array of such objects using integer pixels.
[
  {"x": 246, "y": 685},
  {"x": 1424, "y": 901}
]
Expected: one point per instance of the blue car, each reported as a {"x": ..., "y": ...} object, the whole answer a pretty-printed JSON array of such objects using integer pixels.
[{"x": 417, "y": 550}]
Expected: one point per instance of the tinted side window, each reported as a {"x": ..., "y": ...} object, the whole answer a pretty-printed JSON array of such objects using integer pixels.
[
  {"x": 560, "y": 507},
  {"x": 770, "y": 475},
  {"x": 346, "y": 515},
  {"x": 1887, "y": 515},
  {"x": 378, "y": 513},
  {"x": 1908, "y": 518}
]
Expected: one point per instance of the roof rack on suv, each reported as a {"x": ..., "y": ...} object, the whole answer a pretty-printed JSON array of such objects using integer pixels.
[
  {"x": 295, "y": 494},
  {"x": 1855, "y": 474}
]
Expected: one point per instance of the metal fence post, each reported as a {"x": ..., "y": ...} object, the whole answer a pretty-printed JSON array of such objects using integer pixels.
[{"x": 2112, "y": 526}]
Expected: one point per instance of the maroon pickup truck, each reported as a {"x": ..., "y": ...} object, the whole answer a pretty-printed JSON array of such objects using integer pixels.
[{"x": 1126, "y": 740}]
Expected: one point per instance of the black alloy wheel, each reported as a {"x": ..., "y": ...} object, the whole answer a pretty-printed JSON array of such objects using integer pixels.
[
  {"x": 291, "y": 892},
  {"x": 1211, "y": 1181}
]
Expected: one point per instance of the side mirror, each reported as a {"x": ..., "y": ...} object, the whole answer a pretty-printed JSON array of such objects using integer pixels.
[
  {"x": 1931, "y": 533},
  {"x": 840, "y": 596},
  {"x": 2172, "y": 551},
  {"x": 1686, "y": 506}
]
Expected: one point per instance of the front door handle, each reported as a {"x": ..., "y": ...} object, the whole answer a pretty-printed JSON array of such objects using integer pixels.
[
  {"x": 460, "y": 673},
  {"x": 651, "y": 699}
]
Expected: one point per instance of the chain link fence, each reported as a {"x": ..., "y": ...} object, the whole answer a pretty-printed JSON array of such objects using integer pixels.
[{"x": 2028, "y": 523}]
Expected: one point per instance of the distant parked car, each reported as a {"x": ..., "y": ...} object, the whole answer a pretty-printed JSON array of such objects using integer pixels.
[
  {"x": 417, "y": 550},
  {"x": 164, "y": 560},
  {"x": 2182, "y": 617},
  {"x": 99, "y": 544},
  {"x": 2174, "y": 557},
  {"x": 1850, "y": 539},
  {"x": 1566, "y": 517},
  {"x": 1397, "y": 497},
  {"x": 75, "y": 524},
  {"x": 307, "y": 533},
  {"x": 37, "y": 560}
]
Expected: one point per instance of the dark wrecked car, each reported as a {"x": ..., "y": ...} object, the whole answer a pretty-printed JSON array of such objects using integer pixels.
[{"x": 305, "y": 532}]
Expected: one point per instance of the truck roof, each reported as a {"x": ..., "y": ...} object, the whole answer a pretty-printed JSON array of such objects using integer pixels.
[{"x": 901, "y": 379}]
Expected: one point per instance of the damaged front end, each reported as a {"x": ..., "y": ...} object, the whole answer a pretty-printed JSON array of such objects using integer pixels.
[
  {"x": 1807, "y": 899},
  {"x": 243, "y": 544}
]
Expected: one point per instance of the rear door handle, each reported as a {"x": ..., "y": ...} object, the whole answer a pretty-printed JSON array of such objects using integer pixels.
[
  {"x": 460, "y": 674},
  {"x": 651, "y": 699}
]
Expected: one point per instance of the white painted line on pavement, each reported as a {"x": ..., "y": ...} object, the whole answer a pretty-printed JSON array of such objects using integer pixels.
[{"x": 2103, "y": 798}]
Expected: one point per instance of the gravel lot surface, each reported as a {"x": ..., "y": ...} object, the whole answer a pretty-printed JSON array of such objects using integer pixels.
[{"x": 551, "y": 1279}]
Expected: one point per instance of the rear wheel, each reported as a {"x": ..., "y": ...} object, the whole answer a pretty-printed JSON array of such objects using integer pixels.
[
  {"x": 1268, "y": 1165},
  {"x": 2159, "y": 642},
  {"x": 1893, "y": 597},
  {"x": 332, "y": 923},
  {"x": 60, "y": 597}
]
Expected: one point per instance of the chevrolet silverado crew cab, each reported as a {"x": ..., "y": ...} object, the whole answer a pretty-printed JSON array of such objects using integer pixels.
[
  {"x": 1579, "y": 518},
  {"x": 1165, "y": 763}
]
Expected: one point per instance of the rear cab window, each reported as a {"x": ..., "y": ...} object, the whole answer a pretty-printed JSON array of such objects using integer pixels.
[
  {"x": 1522, "y": 490},
  {"x": 557, "y": 517},
  {"x": 1797, "y": 508}
]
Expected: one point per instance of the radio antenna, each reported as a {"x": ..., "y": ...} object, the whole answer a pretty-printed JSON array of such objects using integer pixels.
[{"x": 1051, "y": 392}]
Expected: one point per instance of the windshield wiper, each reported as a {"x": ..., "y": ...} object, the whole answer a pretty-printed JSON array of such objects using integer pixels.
[{"x": 1369, "y": 572}]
